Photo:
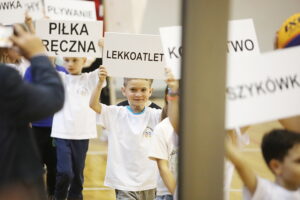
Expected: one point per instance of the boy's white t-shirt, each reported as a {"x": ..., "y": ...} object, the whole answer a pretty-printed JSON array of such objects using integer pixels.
[
  {"x": 164, "y": 145},
  {"x": 76, "y": 120},
  {"x": 128, "y": 166},
  {"x": 267, "y": 190}
]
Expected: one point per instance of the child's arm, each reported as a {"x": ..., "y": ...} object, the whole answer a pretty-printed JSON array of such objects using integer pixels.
[
  {"x": 173, "y": 99},
  {"x": 166, "y": 175},
  {"x": 245, "y": 172},
  {"x": 95, "y": 103}
]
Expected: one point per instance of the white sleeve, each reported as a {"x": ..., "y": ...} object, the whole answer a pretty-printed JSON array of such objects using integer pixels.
[
  {"x": 159, "y": 145},
  {"x": 263, "y": 190}
]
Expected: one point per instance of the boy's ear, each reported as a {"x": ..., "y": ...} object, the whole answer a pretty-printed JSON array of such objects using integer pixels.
[
  {"x": 123, "y": 91},
  {"x": 276, "y": 167},
  {"x": 151, "y": 91}
]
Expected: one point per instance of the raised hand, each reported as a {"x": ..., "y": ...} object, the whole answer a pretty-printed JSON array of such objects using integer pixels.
[
  {"x": 172, "y": 83},
  {"x": 28, "y": 44},
  {"x": 102, "y": 74}
]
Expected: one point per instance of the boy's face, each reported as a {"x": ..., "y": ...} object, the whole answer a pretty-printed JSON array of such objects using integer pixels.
[
  {"x": 137, "y": 92},
  {"x": 290, "y": 168},
  {"x": 74, "y": 65}
]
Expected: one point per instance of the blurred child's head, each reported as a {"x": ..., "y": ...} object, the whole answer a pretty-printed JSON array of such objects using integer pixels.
[
  {"x": 10, "y": 55},
  {"x": 289, "y": 33},
  {"x": 137, "y": 91},
  {"x": 281, "y": 151},
  {"x": 74, "y": 65}
]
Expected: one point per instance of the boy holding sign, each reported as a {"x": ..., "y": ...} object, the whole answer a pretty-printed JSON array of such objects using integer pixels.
[
  {"x": 164, "y": 143},
  {"x": 281, "y": 151},
  {"x": 129, "y": 171},
  {"x": 72, "y": 128}
]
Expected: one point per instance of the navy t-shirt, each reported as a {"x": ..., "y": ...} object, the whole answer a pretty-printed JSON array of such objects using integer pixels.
[{"x": 47, "y": 122}]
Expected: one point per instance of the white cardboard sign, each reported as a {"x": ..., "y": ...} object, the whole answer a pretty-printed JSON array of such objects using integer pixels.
[
  {"x": 70, "y": 10},
  {"x": 71, "y": 38},
  {"x": 34, "y": 8},
  {"x": 262, "y": 87},
  {"x": 171, "y": 42},
  {"x": 11, "y": 11},
  {"x": 242, "y": 37},
  {"x": 133, "y": 56}
]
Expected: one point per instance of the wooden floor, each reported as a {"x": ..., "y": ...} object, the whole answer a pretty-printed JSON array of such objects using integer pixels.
[
  {"x": 97, "y": 154},
  {"x": 95, "y": 172}
]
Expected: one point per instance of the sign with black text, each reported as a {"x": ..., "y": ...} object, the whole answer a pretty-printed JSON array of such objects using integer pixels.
[
  {"x": 34, "y": 8},
  {"x": 242, "y": 37},
  {"x": 70, "y": 10},
  {"x": 133, "y": 56},
  {"x": 171, "y": 42},
  {"x": 11, "y": 11},
  {"x": 71, "y": 38},
  {"x": 262, "y": 87}
]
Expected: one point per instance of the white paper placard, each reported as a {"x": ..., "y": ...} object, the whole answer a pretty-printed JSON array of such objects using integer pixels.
[
  {"x": 172, "y": 46},
  {"x": 12, "y": 11},
  {"x": 242, "y": 37},
  {"x": 71, "y": 38},
  {"x": 70, "y": 10},
  {"x": 262, "y": 87},
  {"x": 133, "y": 56},
  {"x": 34, "y": 8}
]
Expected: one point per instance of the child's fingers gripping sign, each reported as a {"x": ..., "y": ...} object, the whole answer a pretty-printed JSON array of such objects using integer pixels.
[
  {"x": 102, "y": 73},
  {"x": 101, "y": 43},
  {"x": 169, "y": 75},
  {"x": 170, "y": 79}
]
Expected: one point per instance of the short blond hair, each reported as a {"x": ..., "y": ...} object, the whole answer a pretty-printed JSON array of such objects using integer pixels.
[{"x": 126, "y": 80}]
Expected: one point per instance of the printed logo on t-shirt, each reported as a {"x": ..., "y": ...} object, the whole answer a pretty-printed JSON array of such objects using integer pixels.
[
  {"x": 83, "y": 91},
  {"x": 148, "y": 132}
]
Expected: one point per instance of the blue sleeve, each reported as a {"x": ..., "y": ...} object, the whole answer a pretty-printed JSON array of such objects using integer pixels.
[
  {"x": 61, "y": 69},
  {"x": 27, "y": 76}
]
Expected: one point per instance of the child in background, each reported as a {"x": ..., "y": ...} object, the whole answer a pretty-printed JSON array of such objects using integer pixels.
[
  {"x": 164, "y": 143},
  {"x": 281, "y": 151},
  {"x": 129, "y": 171},
  {"x": 72, "y": 128}
]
